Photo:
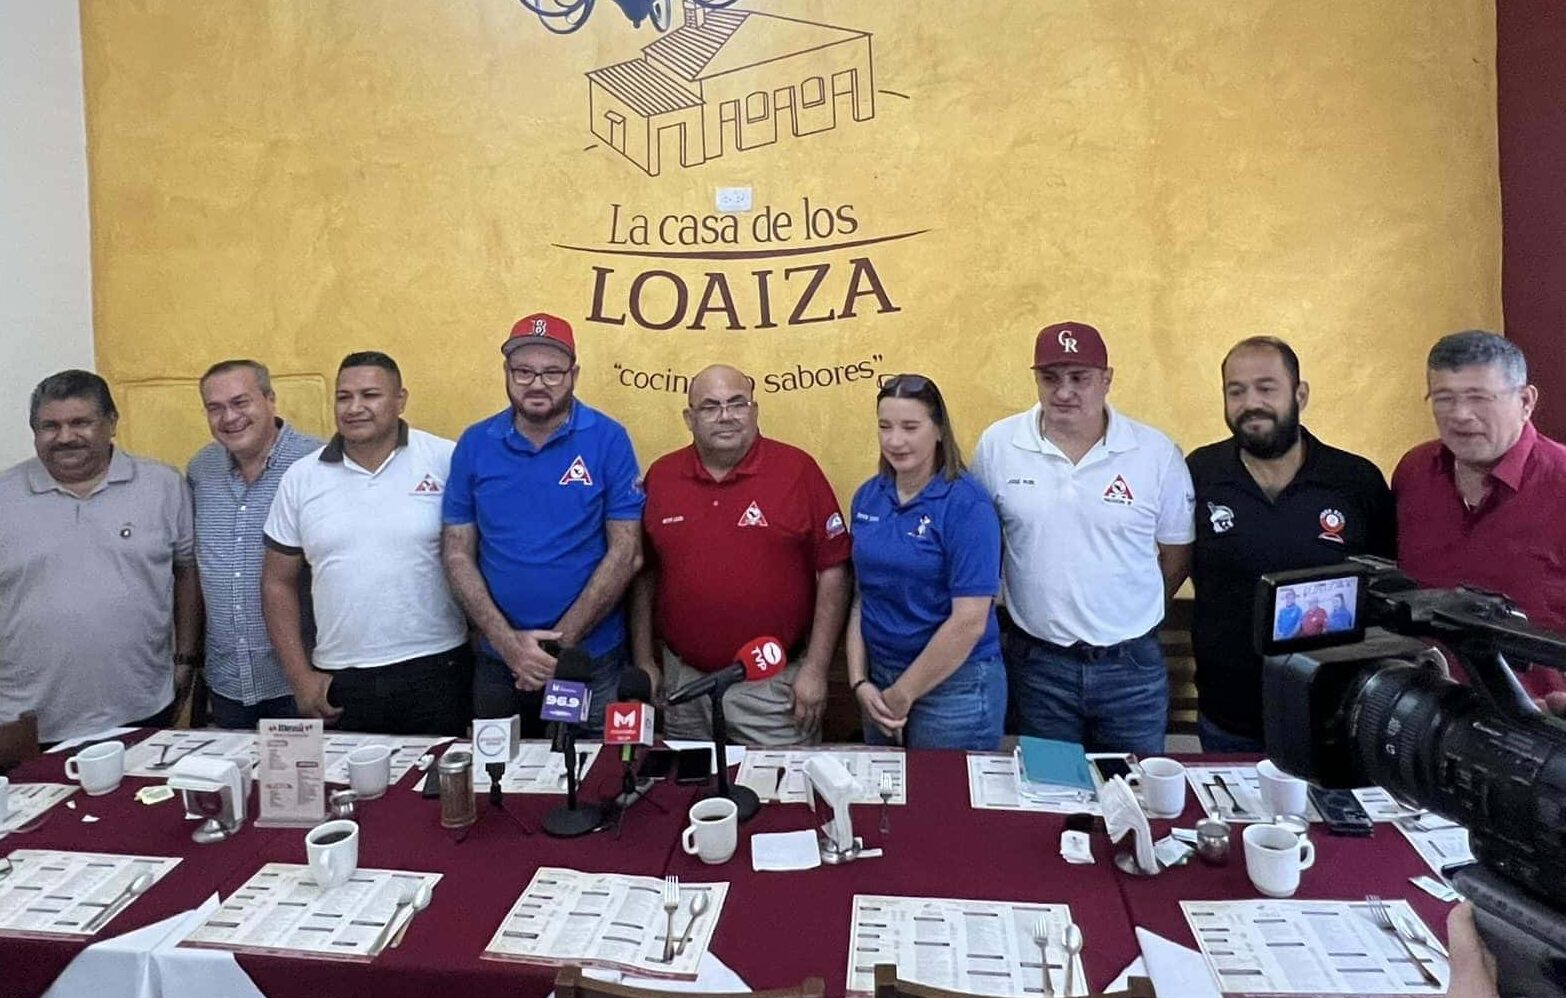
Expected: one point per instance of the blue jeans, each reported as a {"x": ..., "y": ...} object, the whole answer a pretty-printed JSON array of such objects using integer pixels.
[
  {"x": 495, "y": 692},
  {"x": 966, "y": 711},
  {"x": 228, "y": 713},
  {"x": 1113, "y": 699},
  {"x": 1216, "y": 739}
]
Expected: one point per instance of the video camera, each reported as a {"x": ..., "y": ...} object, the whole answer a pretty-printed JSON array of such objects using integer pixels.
[{"x": 1356, "y": 694}]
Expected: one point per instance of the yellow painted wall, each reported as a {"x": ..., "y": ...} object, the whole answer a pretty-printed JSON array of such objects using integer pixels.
[{"x": 292, "y": 181}]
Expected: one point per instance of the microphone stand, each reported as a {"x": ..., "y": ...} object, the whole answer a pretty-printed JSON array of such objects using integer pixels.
[
  {"x": 744, "y": 798},
  {"x": 571, "y": 820},
  {"x": 631, "y": 791}
]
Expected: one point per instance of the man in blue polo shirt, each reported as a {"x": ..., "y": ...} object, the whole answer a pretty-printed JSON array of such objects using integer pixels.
[{"x": 542, "y": 528}]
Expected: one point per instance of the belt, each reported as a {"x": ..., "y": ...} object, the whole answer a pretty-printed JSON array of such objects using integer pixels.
[{"x": 1084, "y": 651}]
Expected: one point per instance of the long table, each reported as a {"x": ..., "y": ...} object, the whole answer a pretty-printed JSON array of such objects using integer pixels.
[{"x": 776, "y": 928}]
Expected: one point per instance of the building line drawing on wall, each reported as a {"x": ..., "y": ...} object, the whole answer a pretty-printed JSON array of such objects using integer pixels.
[{"x": 730, "y": 80}]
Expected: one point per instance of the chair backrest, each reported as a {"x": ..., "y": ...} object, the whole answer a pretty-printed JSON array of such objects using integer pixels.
[
  {"x": 18, "y": 740},
  {"x": 887, "y": 985},
  {"x": 572, "y": 983}
]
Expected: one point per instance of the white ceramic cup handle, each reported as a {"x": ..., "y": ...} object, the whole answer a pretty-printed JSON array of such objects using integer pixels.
[
  {"x": 1307, "y": 854},
  {"x": 688, "y": 840},
  {"x": 72, "y": 772}
]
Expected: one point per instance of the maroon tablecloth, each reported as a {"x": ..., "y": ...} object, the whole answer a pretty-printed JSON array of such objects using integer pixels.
[{"x": 775, "y": 928}]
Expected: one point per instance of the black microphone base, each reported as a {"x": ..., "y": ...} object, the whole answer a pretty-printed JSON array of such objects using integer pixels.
[
  {"x": 568, "y": 823},
  {"x": 744, "y": 798}
]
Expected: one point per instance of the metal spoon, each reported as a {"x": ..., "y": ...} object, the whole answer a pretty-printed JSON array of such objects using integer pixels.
[
  {"x": 404, "y": 900},
  {"x": 1071, "y": 942},
  {"x": 132, "y": 891},
  {"x": 699, "y": 903},
  {"x": 421, "y": 900}
]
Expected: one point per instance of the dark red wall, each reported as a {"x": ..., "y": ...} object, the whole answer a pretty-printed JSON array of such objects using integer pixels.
[{"x": 1530, "y": 69}]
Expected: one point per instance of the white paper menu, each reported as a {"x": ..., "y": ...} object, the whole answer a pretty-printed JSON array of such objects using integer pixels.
[
  {"x": 281, "y": 910},
  {"x": 976, "y": 947},
  {"x": 52, "y": 893},
  {"x": 865, "y": 765},
  {"x": 29, "y": 801},
  {"x": 1311, "y": 947},
  {"x": 155, "y": 756},
  {"x": 1233, "y": 793},
  {"x": 605, "y": 920},
  {"x": 406, "y": 750},
  {"x": 993, "y": 786},
  {"x": 1440, "y": 843},
  {"x": 291, "y": 774},
  {"x": 535, "y": 769}
]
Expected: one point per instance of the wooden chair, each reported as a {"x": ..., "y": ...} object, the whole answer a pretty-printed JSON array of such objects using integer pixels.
[
  {"x": 18, "y": 741},
  {"x": 572, "y": 983},
  {"x": 1175, "y": 637},
  {"x": 887, "y": 985}
]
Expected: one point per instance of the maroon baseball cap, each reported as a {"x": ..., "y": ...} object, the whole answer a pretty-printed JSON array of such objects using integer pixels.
[
  {"x": 1070, "y": 343},
  {"x": 541, "y": 327}
]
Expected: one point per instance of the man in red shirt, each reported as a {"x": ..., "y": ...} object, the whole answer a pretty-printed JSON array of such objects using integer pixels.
[
  {"x": 1485, "y": 505},
  {"x": 744, "y": 538}
]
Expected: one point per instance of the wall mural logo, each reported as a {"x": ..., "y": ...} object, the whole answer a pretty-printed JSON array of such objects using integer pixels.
[{"x": 722, "y": 82}]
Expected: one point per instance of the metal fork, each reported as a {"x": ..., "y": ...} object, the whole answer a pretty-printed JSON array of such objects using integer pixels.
[
  {"x": 671, "y": 904},
  {"x": 1041, "y": 940},
  {"x": 1384, "y": 920}
]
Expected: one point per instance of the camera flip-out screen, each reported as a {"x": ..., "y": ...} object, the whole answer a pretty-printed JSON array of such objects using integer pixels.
[{"x": 1309, "y": 608}]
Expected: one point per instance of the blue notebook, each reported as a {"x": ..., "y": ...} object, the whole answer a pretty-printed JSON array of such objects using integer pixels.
[{"x": 1061, "y": 764}]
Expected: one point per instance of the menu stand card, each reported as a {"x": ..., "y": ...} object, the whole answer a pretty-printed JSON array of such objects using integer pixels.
[
  {"x": 866, "y": 765},
  {"x": 292, "y": 775},
  {"x": 975, "y": 947},
  {"x": 605, "y": 920},
  {"x": 53, "y": 893},
  {"x": 281, "y": 911}
]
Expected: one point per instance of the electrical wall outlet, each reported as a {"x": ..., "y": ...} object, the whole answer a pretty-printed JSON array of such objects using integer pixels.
[{"x": 734, "y": 199}]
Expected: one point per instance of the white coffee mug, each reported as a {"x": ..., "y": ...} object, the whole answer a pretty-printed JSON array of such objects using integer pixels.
[
  {"x": 1274, "y": 858},
  {"x": 98, "y": 768},
  {"x": 1163, "y": 787},
  {"x": 5, "y": 798},
  {"x": 1282, "y": 793},
  {"x": 333, "y": 852},
  {"x": 713, "y": 834},
  {"x": 369, "y": 771}
]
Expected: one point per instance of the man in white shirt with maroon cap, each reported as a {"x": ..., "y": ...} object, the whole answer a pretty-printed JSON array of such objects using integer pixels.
[{"x": 1096, "y": 513}]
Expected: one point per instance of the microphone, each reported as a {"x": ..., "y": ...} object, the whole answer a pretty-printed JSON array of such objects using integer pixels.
[
  {"x": 758, "y": 658},
  {"x": 568, "y": 702},
  {"x": 628, "y": 722}
]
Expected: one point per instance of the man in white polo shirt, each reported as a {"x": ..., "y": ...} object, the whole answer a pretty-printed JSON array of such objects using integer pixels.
[
  {"x": 363, "y": 513},
  {"x": 1096, "y": 512}
]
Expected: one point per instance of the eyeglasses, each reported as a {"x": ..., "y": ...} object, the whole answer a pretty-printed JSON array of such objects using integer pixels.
[
  {"x": 711, "y": 412},
  {"x": 552, "y": 377},
  {"x": 1445, "y": 402}
]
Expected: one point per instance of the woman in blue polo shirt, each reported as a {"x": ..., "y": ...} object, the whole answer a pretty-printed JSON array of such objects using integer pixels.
[{"x": 924, "y": 654}]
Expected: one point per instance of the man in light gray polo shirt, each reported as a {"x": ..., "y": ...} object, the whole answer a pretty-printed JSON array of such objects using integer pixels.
[{"x": 97, "y": 573}]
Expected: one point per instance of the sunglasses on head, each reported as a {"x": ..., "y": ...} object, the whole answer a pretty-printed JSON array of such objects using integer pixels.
[{"x": 902, "y": 386}]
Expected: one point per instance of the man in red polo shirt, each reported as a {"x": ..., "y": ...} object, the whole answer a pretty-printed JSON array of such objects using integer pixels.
[
  {"x": 1485, "y": 505},
  {"x": 744, "y": 538}
]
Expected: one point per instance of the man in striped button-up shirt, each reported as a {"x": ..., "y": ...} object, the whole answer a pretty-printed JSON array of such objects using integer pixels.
[{"x": 233, "y": 480}]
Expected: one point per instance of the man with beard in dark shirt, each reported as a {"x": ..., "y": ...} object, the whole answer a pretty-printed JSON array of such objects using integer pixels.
[{"x": 1270, "y": 498}]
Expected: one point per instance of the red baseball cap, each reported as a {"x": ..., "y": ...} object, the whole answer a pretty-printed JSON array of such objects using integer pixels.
[
  {"x": 541, "y": 327},
  {"x": 1070, "y": 343}
]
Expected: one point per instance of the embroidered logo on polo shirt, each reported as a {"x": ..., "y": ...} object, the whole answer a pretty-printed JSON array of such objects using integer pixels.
[
  {"x": 1020, "y": 481},
  {"x": 752, "y": 517},
  {"x": 867, "y": 518},
  {"x": 1221, "y": 517},
  {"x": 834, "y": 525},
  {"x": 1119, "y": 492},
  {"x": 577, "y": 474},
  {"x": 429, "y": 485},
  {"x": 1332, "y": 523},
  {"x": 672, "y": 519},
  {"x": 919, "y": 531}
]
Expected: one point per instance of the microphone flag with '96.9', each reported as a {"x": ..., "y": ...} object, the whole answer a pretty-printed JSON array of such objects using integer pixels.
[
  {"x": 567, "y": 697},
  {"x": 758, "y": 658}
]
